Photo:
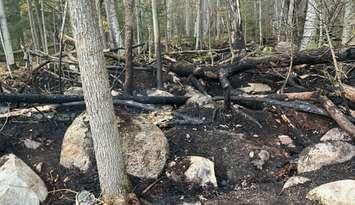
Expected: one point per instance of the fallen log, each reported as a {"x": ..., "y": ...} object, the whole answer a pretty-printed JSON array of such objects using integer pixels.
[
  {"x": 310, "y": 57},
  {"x": 58, "y": 99},
  {"x": 337, "y": 115},
  {"x": 349, "y": 92}
]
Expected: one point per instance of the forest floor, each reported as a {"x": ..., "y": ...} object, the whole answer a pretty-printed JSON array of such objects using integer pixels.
[{"x": 227, "y": 139}]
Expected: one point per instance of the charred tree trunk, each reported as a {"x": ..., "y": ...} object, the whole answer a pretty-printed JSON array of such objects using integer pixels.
[{"x": 128, "y": 84}]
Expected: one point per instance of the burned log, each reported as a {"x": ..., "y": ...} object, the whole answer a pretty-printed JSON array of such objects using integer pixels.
[
  {"x": 310, "y": 57},
  {"x": 58, "y": 99}
]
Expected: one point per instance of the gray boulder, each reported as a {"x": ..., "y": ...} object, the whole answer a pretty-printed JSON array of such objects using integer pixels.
[
  {"x": 314, "y": 157},
  {"x": 334, "y": 193},
  {"x": 19, "y": 184},
  {"x": 144, "y": 146}
]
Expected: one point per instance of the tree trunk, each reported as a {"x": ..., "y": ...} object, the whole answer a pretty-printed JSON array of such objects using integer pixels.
[
  {"x": 107, "y": 142},
  {"x": 291, "y": 9},
  {"x": 45, "y": 40},
  {"x": 38, "y": 22},
  {"x": 236, "y": 28},
  {"x": 138, "y": 12},
  {"x": 198, "y": 25},
  {"x": 218, "y": 20},
  {"x": 5, "y": 37},
  {"x": 169, "y": 19},
  {"x": 98, "y": 4},
  {"x": 187, "y": 18},
  {"x": 260, "y": 25},
  {"x": 128, "y": 84},
  {"x": 115, "y": 34},
  {"x": 156, "y": 31},
  {"x": 348, "y": 21},
  {"x": 310, "y": 25},
  {"x": 32, "y": 25}
]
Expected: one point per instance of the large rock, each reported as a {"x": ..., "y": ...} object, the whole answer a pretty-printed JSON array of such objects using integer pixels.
[
  {"x": 314, "y": 157},
  {"x": 334, "y": 193},
  {"x": 144, "y": 146},
  {"x": 19, "y": 184}
]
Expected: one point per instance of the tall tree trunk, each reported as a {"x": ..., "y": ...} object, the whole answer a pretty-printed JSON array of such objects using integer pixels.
[
  {"x": 156, "y": 32},
  {"x": 107, "y": 141},
  {"x": 98, "y": 4},
  {"x": 198, "y": 25},
  {"x": 237, "y": 27},
  {"x": 310, "y": 25},
  {"x": 115, "y": 34},
  {"x": 38, "y": 22},
  {"x": 187, "y": 18},
  {"x": 291, "y": 9},
  {"x": 260, "y": 25},
  {"x": 32, "y": 26},
  {"x": 169, "y": 19},
  {"x": 348, "y": 21},
  {"x": 45, "y": 43},
  {"x": 128, "y": 85},
  {"x": 138, "y": 12},
  {"x": 218, "y": 20},
  {"x": 5, "y": 37}
]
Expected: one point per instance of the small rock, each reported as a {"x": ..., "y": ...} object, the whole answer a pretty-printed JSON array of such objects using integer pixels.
[
  {"x": 201, "y": 171},
  {"x": 264, "y": 156},
  {"x": 85, "y": 198},
  {"x": 39, "y": 166},
  {"x": 192, "y": 171},
  {"x": 314, "y": 157},
  {"x": 31, "y": 144},
  {"x": 251, "y": 154},
  {"x": 286, "y": 140},
  {"x": 256, "y": 88},
  {"x": 19, "y": 184},
  {"x": 295, "y": 180},
  {"x": 335, "y": 134},
  {"x": 196, "y": 97},
  {"x": 4, "y": 108},
  {"x": 115, "y": 93},
  {"x": 334, "y": 193}
]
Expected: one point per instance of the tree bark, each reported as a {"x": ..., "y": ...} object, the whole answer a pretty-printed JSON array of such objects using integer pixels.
[
  {"x": 310, "y": 25},
  {"x": 107, "y": 142},
  {"x": 157, "y": 48},
  {"x": 45, "y": 40},
  {"x": 32, "y": 26},
  {"x": 169, "y": 19},
  {"x": 348, "y": 21},
  {"x": 187, "y": 18},
  {"x": 236, "y": 28},
  {"x": 291, "y": 9},
  {"x": 128, "y": 84},
  {"x": 198, "y": 25},
  {"x": 115, "y": 34},
  {"x": 138, "y": 12},
  {"x": 10, "y": 60},
  {"x": 98, "y": 4}
]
